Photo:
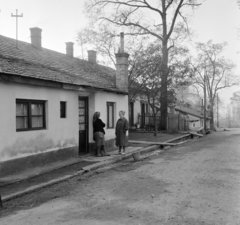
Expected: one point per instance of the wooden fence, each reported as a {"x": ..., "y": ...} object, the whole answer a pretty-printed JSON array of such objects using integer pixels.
[
  {"x": 175, "y": 122},
  {"x": 147, "y": 121}
]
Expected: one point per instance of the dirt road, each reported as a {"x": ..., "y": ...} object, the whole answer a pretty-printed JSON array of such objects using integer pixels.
[{"x": 195, "y": 183}]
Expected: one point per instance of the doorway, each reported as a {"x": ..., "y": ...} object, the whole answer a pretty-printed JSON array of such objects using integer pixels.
[{"x": 83, "y": 124}]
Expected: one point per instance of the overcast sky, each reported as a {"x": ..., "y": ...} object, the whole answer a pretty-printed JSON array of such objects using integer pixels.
[{"x": 61, "y": 19}]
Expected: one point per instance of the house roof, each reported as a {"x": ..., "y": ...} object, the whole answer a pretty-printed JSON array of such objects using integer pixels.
[
  {"x": 191, "y": 111},
  {"x": 45, "y": 64},
  {"x": 193, "y": 118}
]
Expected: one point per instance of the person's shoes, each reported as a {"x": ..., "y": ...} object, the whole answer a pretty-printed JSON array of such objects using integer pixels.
[
  {"x": 123, "y": 153},
  {"x": 98, "y": 155},
  {"x": 119, "y": 153}
]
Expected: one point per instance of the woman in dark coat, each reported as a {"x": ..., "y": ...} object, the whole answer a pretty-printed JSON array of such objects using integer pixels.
[
  {"x": 98, "y": 135},
  {"x": 121, "y": 129}
]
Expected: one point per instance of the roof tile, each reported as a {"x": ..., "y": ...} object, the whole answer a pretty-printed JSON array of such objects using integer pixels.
[{"x": 46, "y": 64}]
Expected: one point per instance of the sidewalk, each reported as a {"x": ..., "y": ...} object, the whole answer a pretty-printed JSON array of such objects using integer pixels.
[{"x": 21, "y": 184}]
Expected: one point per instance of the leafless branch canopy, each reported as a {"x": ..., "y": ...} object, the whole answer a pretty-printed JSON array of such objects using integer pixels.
[{"x": 126, "y": 12}]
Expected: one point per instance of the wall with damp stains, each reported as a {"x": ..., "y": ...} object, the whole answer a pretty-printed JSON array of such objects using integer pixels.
[{"x": 59, "y": 133}]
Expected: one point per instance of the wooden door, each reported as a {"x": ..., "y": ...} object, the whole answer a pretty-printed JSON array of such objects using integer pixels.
[{"x": 83, "y": 124}]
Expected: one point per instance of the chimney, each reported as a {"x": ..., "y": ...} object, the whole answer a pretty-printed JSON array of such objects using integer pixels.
[
  {"x": 121, "y": 42},
  {"x": 92, "y": 56},
  {"x": 36, "y": 38},
  {"x": 69, "y": 49},
  {"x": 122, "y": 66}
]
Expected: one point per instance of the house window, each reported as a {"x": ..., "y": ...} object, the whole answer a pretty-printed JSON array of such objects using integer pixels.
[
  {"x": 110, "y": 115},
  {"x": 30, "y": 115},
  {"x": 63, "y": 109}
]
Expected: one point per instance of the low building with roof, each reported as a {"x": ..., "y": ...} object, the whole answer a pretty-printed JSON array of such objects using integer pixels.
[
  {"x": 48, "y": 99},
  {"x": 195, "y": 117}
]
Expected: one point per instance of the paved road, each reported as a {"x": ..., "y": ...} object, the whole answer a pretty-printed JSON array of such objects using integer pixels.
[{"x": 195, "y": 183}]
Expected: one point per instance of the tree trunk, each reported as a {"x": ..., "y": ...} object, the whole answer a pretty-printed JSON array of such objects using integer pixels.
[
  {"x": 163, "y": 96},
  {"x": 155, "y": 124},
  {"x": 212, "y": 116}
]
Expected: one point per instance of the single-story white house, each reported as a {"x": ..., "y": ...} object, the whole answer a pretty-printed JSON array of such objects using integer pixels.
[
  {"x": 195, "y": 117},
  {"x": 48, "y": 99}
]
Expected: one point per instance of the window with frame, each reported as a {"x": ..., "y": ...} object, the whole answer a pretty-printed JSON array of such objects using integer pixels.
[
  {"x": 63, "y": 109},
  {"x": 110, "y": 115},
  {"x": 30, "y": 115}
]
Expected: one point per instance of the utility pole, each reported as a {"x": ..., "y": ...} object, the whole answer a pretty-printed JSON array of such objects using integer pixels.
[
  {"x": 17, "y": 25},
  {"x": 204, "y": 86}
]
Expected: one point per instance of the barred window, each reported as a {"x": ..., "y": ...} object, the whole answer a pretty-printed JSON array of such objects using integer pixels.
[{"x": 30, "y": 115}]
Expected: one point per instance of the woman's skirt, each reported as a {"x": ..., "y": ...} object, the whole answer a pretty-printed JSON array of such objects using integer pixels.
[{"x": 99, "y": 138}]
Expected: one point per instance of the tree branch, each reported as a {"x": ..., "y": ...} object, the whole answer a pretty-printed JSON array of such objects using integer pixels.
[
  {"x": 174, "y": 18},
  {"x": 133, "y": 24}
]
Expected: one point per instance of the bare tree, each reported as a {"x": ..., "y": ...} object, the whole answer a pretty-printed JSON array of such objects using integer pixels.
[
  {"x": 149, "y": 67},
  {"x": 217, "y": 70},
  {"x": 171, "y": 19},
  {"x": 101, "y": 39},
  {"x": 104, "y": 39}
]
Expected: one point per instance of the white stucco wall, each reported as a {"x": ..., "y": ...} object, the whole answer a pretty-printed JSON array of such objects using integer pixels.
[
  {"x": 59, "y": 132},
  {"x": 197, "y": 124},
  {"x": 98, "y": 102}
]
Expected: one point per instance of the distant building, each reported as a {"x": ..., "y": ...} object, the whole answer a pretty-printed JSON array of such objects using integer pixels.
[{"x": 195, "y": 117}]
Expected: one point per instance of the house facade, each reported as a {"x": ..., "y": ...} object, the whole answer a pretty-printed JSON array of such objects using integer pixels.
[
  {"x": 195, "y": 117},
  {"x": 48, "y": 99},
  {"x": 139, "y": 112}
]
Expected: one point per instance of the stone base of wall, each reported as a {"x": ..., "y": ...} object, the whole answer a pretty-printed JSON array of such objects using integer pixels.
[{"x": 18, "y": 165}]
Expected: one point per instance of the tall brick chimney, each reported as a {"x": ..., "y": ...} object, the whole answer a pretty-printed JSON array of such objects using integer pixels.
[
  {"x": 92, "y": 56},
  {"x": 36, "y": 38},
  {"x": 122, "y": 66},
  {"x": 69, "y": 49}
]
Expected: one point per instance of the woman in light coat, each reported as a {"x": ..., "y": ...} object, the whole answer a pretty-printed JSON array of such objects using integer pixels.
[{"x": 120, "y": 132}]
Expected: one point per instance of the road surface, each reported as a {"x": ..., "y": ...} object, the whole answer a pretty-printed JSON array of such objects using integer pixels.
[{"x": 195, "y": 183}]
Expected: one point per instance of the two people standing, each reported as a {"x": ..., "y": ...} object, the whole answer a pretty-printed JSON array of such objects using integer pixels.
[{"x": 98, "y": 134}]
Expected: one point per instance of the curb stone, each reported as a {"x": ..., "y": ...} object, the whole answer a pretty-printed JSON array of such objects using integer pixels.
[
  {"x": 42, "y": 172},
  {"x": 80, "y": 172},
  {"x": 39, "y": 186},
  {"x": 142, "y": 150}
]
